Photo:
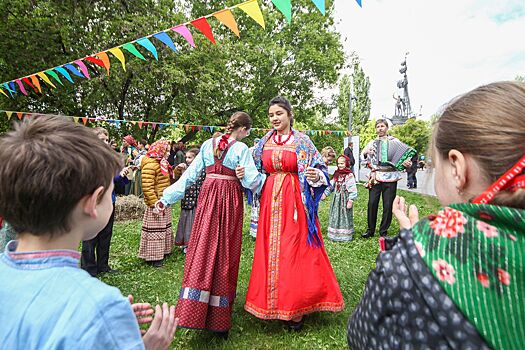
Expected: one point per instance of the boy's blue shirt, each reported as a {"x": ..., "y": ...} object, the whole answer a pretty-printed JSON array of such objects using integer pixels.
[{"x": 48, "y": 302}]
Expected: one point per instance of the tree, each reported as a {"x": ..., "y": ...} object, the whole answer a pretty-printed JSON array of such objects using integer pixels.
[
  {"x": 342, "y": 99},
  {"x": 415, "y": 133},
  {"x": 197, "y": 86},
  {"x": 362, "y": 104}
]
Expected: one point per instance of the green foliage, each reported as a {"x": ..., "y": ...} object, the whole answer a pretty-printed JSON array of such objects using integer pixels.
[
  {"x": 352, "y": 262},
  {"x": 342, "y": 99},
  {"x": 362, "y": 104},
  {"x": 367, "y": 134},
  {"x": 198, "y": 86},
  {"x": 415, "y": 133}
]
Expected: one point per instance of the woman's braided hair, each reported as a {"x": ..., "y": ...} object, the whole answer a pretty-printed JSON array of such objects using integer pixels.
[{"x": 237, "y": 120}]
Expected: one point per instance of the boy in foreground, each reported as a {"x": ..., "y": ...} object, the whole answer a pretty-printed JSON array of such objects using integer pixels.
[{"x": 56, "y": 181}]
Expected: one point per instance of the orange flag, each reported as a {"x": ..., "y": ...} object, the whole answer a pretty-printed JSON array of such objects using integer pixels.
[{"x": 226, "y": 17}]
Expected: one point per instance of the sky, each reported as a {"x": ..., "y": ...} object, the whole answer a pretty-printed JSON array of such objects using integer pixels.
[{"x": 453, "y": 45}]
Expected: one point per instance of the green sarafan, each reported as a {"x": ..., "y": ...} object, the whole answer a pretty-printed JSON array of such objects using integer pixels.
[{"x": 352, "y": 262}]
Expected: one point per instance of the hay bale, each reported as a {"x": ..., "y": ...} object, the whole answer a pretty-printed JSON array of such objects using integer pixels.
[{"x": 129, "y": 208}]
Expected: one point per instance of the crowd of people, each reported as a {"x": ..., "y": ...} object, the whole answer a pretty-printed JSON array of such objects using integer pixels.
[{"x": 449, "y": 281}]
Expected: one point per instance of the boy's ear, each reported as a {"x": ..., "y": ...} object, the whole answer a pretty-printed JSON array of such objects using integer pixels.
[{"x": 91, "y": 201}]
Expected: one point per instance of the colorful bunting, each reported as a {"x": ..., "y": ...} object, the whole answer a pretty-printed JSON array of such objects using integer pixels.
[
  {"x": 101, "y": 59},
  {"x": 204, "y": 27},
  {"x": 105, "y": 59},
  {"x": 119, "y": 55},
  {"x": 252, "y": 9},
  {"x": 146, "y": 43},
  {"x": 285, "y": 6},
  {"x": 166, "y": 40},
  {"x": 226, "y": 17},
  {"x": 9, "y": 114},
  {"x": 64, "y": 73},
  {"x": 185, "y": 32},
  {"x": 45, "y": 78},
  {"x": 321, "y": 5}
]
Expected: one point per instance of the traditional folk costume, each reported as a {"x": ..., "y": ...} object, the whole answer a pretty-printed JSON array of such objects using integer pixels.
[
  {"x": 212, "y": 262},
  {"x": 341, "y": 220},
  {"x": 384, "y": 157},
  {"x": 188, "y": 206},
  {"x": 291, "y": 274},
  {"x": 156, "y": 239}
]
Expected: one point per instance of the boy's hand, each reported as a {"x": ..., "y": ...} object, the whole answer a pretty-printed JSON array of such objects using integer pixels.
[
  {"x": 400, "y": 211},
  {"x": 142, "y": 311},
  {"x": 240, "y": 172},
  {"x": 162, "y": 330},
  {"x": 349, "y": 204},
  {"x": 124, "y": 172}
]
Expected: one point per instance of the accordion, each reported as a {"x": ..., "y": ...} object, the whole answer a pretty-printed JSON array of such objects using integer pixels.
[{"x": 391, "y": 153}]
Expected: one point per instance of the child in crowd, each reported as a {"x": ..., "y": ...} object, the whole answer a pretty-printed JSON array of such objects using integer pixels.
[
  {"x": 156, "y": 240},
  {"x": 188, "y": 203},
  {"x": 456, "y": 280},
  {"x": 95, "y": 252},
  {"x": 328, "y": 155},
  {"x": 343, "y": 186},
  {"x": 47, "y": 301},
  {"x": 212, "y": 264}
]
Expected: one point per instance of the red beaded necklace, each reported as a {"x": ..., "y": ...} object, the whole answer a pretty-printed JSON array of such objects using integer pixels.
[{"x": 280, "y": 143}]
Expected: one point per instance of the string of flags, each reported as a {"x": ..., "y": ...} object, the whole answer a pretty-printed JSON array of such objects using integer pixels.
[
  {"x": 79, "y": 68},
  {"x": 154, "y": 125}
]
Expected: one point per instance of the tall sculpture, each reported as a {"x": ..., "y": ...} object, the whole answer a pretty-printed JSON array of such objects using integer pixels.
[{"x": 403, "y": 109}]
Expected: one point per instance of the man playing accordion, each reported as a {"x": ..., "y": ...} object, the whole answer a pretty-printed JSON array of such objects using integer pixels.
[{"x": 385, "y": 156}]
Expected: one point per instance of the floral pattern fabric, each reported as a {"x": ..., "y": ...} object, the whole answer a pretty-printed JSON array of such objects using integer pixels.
[{"x": 476, "y": 252}]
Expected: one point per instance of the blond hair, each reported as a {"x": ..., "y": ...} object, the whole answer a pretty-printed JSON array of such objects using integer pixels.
[
  {"x": 327, "y": 152},
  {"x": 488, "y": 123}
]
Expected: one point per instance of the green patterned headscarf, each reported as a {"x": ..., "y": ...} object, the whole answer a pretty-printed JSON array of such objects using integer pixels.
[{"x": 477, "y": 254}]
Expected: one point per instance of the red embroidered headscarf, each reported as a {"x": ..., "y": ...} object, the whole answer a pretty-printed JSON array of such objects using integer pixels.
[
  {"x": 130, "y": 140},
  {"x": 342, "y": 172},
  {"x": 158, "y": 150}
]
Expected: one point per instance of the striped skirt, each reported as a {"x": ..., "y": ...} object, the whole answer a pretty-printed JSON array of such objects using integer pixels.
[{"x": 156, "y": 239}]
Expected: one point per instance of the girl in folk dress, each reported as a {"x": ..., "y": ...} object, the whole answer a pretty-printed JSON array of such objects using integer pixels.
[
  {"x": 343, "y": 186},
  {"x": 212, "y": 263},
  {"x": 291, "y": 274},
  {"x": 156, "y": 239},
  {"x": 188, "y": 203}
]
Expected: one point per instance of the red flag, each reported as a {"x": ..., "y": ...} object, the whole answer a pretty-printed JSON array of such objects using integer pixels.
[{"x": 203, "y": 25}]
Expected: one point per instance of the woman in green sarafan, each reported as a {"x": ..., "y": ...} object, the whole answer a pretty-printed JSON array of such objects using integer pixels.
[{"x": 456, "y": 280}]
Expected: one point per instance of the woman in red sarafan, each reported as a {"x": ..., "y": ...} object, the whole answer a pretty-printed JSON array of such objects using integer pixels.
[{"x": 291, "y": 274}]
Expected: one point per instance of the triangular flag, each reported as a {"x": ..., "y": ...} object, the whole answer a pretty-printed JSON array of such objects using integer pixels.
[
  {"x": 96, "y": 61},
  {"x": 9, "y": 114},
  {"x": 83, "y": 68},
  {"x": 285, "y": 6},
  {"x": 359, "y": 3},
  {"x": 165, "y": 38},
  {"x": 84, "y": 120},
  {"x": 133, "y": 122},
  {"x": 154, "y": 126},
  {"x": 119, "y": 55},
  {"x": 253, "y": 10},
  {"x": 75, "y": 119},
  {"x": 147, "y": 44},
  {"x": 64, "y": 73},
  {"x": 133, "y": 50},
  {"x": 204, "y": 27},
  {"x": 21, "y": 86},
  {"x": 36, "y": 83},
  {"x": 12, "y": 86},
  {"x": 74, "y": 70},
  {"x": 321, "y": 5},
  {"x": 46, "y": 79},
  {"x": 105, "y": 59},
  {"x": 185, "y": 32},
  {"x": 20, "y": 115},
  {"x": 3, "y": 92},
  {"x": 187, "y": 127},
  {"x": 54, "y": 75},
  {"x": 140, "y": 124},
  {"x": 226, "y": 17}
]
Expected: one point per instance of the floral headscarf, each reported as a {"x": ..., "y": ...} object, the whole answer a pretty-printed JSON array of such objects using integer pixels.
[
  {"x": 130, "y": 140},
  {"x": 158, "y": 151}
]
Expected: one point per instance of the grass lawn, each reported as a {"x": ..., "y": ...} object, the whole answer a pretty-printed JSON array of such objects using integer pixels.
[{"x": 352, "y": 263}]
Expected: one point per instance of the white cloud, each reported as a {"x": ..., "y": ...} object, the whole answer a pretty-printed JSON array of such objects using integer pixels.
[{"x": 454, "y": 45}]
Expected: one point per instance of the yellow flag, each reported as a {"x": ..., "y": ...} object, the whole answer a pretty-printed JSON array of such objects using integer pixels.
[
  {"x": 118, "y": 54},
  {"x": 9, "y": 114},
  {"x": 2, "y": 91},
  {"x": 76, "y": 119},
  {"x": 226, "y": 18},
  {"x": 253, "y": 10},
  {"x": 46, "y": 79}
]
